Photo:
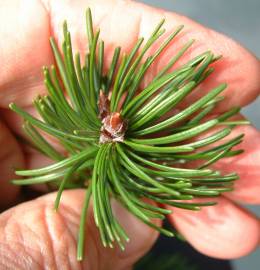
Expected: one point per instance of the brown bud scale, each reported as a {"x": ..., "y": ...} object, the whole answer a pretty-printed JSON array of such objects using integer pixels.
[{"x": 113, "y": 126}]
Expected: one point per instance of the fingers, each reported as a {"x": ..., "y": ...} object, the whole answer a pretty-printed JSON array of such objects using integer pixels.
[
  {"x": 45, "y": 239},
  {"x": 10, "y": 157},
  {"x": 121, "y": 23},
  {"x": 224, "y": 231},
  {"x": 120, "y": 29}
]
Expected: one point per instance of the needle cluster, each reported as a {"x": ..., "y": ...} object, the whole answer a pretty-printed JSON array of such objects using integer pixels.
[{"x": 121, "y": 142}]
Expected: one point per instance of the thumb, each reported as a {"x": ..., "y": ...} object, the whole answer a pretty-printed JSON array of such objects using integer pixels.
[{"x": 34, "y": 236}]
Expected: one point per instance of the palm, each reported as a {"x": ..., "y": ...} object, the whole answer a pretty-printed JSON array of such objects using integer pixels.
[{"x": 21, "y": 81}]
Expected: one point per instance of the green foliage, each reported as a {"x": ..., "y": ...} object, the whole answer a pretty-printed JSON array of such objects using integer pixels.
[{"x": 102, "y": 120}]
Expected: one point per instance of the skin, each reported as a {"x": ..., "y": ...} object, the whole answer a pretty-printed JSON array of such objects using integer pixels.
[{"x": 32, "y": 235}]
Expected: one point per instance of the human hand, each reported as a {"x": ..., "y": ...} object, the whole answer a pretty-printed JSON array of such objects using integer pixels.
[{"x": 32, "y": 235}]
